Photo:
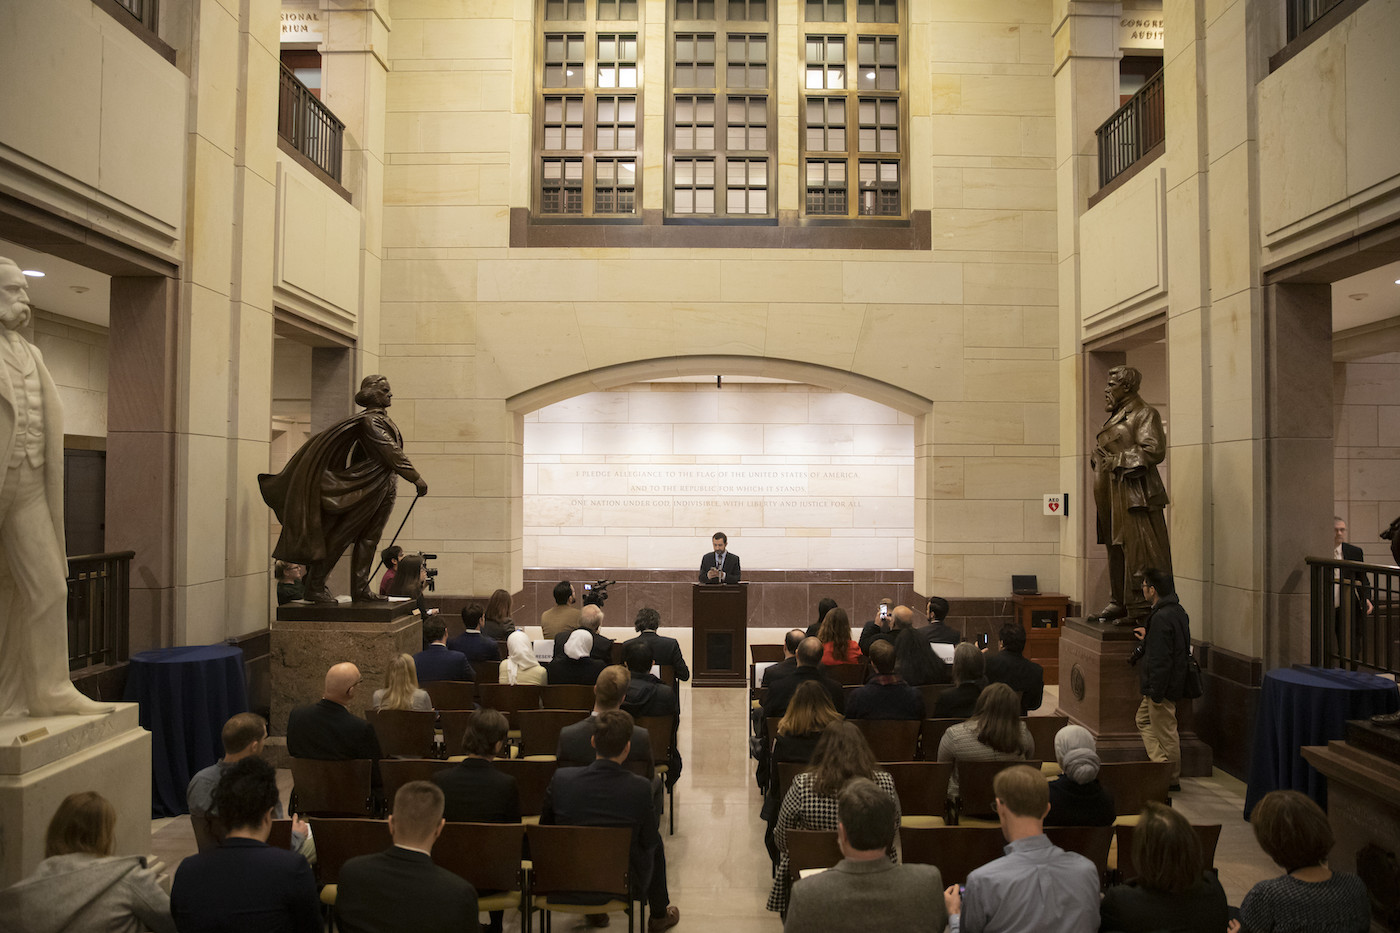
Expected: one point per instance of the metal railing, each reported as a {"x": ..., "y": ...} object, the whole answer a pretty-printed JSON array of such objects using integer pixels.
[
  {"x": 1355, "y": 615},
  {"x": 308, "y": 125},
  {"x": 1303, "y": 13},
  {"x": 1133, "y": 130},
  {"x": 99, "y": 609}
]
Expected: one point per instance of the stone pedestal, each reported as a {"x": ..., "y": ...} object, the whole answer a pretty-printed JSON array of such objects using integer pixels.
[
  {"x": 109, "y": 754},
  {"x": 307, "y": 640},
  {"x": 1099, "y": 691}
]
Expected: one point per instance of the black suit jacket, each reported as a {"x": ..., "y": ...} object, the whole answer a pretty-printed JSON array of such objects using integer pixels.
[
  {"x": 606, "y": 794},
  {"x": 400, "y": 889},
  {"x": 245, "y": 885},
  {"x": 878, "y": 700},
  {"x": 938, "y": 633},
  {"x": 476, "y": 647},
  {"x": 565, "y": 670},
  {"x": 778, "y": 671},
  {"x": 873, "y": 633},
  {"x": 780, "y": 694},
  {"x": 958, "y": 702},
  {"x": 602, "y": 648},
  {"x": 731, "y": 570},
  {"x": 438, "y": 662},
  {"x": 664, "y": 650},
  {"x": 327, "y": 731},
  {"x": 478, "y": 793},
  {"x": 1362, "y": 583},
  {"x": 575, "y": 747},
  {"x": 1020, "y": 674}
]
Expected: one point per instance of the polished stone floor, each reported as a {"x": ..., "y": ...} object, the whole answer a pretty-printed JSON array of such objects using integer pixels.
[{"x": 718, "y": 868}]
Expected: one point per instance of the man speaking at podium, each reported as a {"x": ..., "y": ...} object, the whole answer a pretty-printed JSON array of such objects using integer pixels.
[{"x": 719, "y": 566}]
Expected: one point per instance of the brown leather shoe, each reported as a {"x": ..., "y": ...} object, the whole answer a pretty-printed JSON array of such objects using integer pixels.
[{"x": 671, "y": 918}]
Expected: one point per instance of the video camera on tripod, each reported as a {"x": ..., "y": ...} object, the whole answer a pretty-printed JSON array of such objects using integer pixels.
[
  {"x": 595, "y": 594},
  {"x": 430, "y": 584}
]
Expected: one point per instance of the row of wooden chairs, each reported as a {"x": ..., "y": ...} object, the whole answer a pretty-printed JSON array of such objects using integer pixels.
[
  {"x": 463, "y": 694},
  {"x": 915, "y": 740}
]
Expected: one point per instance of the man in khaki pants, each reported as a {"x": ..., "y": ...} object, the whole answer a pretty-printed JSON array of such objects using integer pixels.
[{"x": 1162, "y": 669}]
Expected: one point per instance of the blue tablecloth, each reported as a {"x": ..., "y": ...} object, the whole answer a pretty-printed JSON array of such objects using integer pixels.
[
  {"x": 1307, "y": 706},
  {"x": 186, "y": 696}
]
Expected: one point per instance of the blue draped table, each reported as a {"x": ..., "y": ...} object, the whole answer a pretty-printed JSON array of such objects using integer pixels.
[
  {"x": 1307, "y": 706},
  {"x": 186, "y": 695}
]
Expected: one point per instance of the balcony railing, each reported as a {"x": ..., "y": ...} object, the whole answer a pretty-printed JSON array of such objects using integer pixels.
[
  {"x": 99, "y": 609},
  {"x": 1303, "y": 13},
  {"x": 1133, "y": 130},
  {"x": 309, "y": 126},
  {"x": 1344, "y": 634}
]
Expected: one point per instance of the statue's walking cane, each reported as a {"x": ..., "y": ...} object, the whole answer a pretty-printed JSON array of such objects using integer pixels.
[{"x": 396, "y": 535}]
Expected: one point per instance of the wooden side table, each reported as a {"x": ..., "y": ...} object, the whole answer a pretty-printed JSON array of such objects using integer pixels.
[{"x": 1042, "y": 616}]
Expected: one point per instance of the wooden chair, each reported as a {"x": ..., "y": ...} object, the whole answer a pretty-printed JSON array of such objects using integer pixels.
[
  {"x": 404, "y": 733},
  {"x": 811, "y": 848},
  {"x": 661, "y": 729},
  {"x": 761, "y": 653},
  {"x": 975, "y": 794},
  {"x": 931, "y": 694},
  {"x": 787, "y": 773},
  {"x": 280, "y": 837},
  {"x": 539, "y": 729},
  {"x": 510, "y": 698},
  {"x": 454, "y": 724},
  {"x": 891, "y": 739},
  {"x": 1134, "y": 783},
  {"x": 333, "y": 788},
  {"x": 568, "y": 696},
  {"x": 451, "y": 694},
  {"x": 396, "y": 772},
  {"x": 531, "y": 779},
  {"x": 922, "y": 788},
  {"x": 568, "y": 860},
  {"x": 1208, "y": 834},
  {"x": 930, "y": 734},
  {"x": 1043, "y": 730},
  {"x": 1092, "y": 842},
  {"x": 489, "y": 856},
  {"x": 853, "y": 674},
  {"x": 488, "y": 672},
  {"x": 338, "y": 841},
  {"x": 956, "y": 850}
]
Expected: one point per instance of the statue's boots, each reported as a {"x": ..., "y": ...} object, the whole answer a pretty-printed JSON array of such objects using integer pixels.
[{"x": 1111, "y": 612}]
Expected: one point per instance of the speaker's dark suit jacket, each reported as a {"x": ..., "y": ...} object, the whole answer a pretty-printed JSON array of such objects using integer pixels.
[
  {"x": 731, "y": 569},
  {"x": 400, "y": 889},
  {"x": 478, "y": 793},
  {"x": 576, "y": 744},
  {"x": 245, "y": 885},
  {"x": 438, "y": 662},
  {"x": 663, "y": 651}
]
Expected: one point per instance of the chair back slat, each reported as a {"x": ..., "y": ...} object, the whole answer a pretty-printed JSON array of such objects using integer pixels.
[
  {"x": 1092, "y": 842},
  {"x": 975, "y": 794},
  {"x": 1134, "y": 783},
  {"x": 451, "y": 694},
  {"x": 568, "y": 696},
  {"x": 486, "y": 854},
  {"x": 333, "y": 788},
  {"x": 404, "y": 733},
  {"x": 891, "y": 739},
  {"x": 931, "y": 694},
  {"x": 338, "y": 841},
  {"x": 811, "y": 848},
  {"x": 1043, "y": 730},
  {"x": 539, "y": 728},
  {"x": 852, "y": 674},
  {"x": 531, "y": 780},
  {"x": 396, "y": 772},
  {"x": 761, "y": 653},
  {"x": 1208, "y": 834},
  {"x": 787, "y": 773},
  {"x": 931, "y": 733},
  {"x": 956, "y": 850},
  {"x": 922, "y": 786},
  {"x": 659, "y": 728},
  {"x": 579, "y": 858},
  {"x": 509, "y": 698},
  {"x": 454, "y": 723}
]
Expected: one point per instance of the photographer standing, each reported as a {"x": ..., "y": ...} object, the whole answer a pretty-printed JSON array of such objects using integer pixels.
[{"x": 1162, "y": 675}]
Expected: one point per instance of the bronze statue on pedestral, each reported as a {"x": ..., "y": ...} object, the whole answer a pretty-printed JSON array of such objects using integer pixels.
[
  {"x": 1129, "y": 494},
  {"x": 337, "y": 492}
]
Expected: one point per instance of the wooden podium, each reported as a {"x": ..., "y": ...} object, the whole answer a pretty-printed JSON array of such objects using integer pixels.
[{"x": 719, "y": 613}]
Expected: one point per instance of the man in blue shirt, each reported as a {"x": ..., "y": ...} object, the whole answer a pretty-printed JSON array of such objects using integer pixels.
[{"x": 1036, "y": 885}]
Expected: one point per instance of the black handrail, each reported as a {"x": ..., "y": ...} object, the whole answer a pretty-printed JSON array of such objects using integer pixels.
[
  {"x": 1303, "y": 13},
  {"x": 1133, "y": 130},
  {"x": 1344, "y": 634},
  {"x": 99, "y": 609},
  {"x": 308, "y": 125}
]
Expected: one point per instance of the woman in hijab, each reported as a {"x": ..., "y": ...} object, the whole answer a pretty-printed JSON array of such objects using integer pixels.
[
  {"x": 575, "y": 666},
  {"x": 1076, "y": 797},
  {"x": 520, "y": 667}
]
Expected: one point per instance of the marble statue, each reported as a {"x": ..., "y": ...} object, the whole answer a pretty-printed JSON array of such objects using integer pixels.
[
  {"x": 34, "y": 566},
  {"x": 337, "y": 491},
  {"x": 1129, "y": 494}
]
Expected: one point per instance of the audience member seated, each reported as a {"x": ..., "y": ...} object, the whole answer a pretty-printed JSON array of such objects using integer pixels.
[
  {"x": 521, "y": 666},
  {"x": 994, "y": 733},
  {"x": 576, "y": 741},
  {"x": 959, "y": 702},
  {"x": 664, "y": 650},
  {"x": 937, "y": 632},
  {"x": 245, "y": 884},
  {"x": 562, "y": 617},
  {"x": 1076, "y": 796},
  {"x": 475, "y": 791},
  {"x": 886, "y": 696},
  {"x": 575, "y": 664},
  {"x": 390, "y": 558},
  {"x": 784, "y": 668},
  {"x": 400, "y": 888},
  {"x": 809, "y": 667},
  {"x": 824, "y": 605},
  {"x": 476, "y": 647},
  {"x": 1171, "y": 892},
  {"x": 290, "y": 585},
  {"x": 801, "y": 727},
  {"x": 400, "y": 690},
  {"x": 841, "y": 754},
  {"x": 591, "y": 619},
  {"x": 866, "y": 891},
  {"x": 1294, "y": 832},
  {"x": 437, "y": 661},
  {"x": 915, "y": 660},
  {"x": 838, "y": 647},
  {"x": 607, "y": 794},
  {"x": 498, "y": 624},
  {"x": 648, "y": 696},
  {"x": 326, "y": 730},
  {"x": 886, "y": 627},
  {"x": 243, "y": 736},
  {"x": 80, "y": 886},
  {"x": 410, "y": 573},
  {"x": 1036, "y": 885},
  {"x": 1008, "y": 666}
]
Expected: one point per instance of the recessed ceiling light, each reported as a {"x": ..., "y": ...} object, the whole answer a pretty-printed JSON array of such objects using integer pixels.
[{"x": 34, "y": 273}]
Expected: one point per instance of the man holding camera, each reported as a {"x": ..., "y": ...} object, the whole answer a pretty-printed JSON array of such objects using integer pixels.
[{"x": 1161, "y": 660}]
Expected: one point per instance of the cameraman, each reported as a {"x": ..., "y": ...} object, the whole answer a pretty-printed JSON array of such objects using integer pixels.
[{"x": 1162, "y": 674}]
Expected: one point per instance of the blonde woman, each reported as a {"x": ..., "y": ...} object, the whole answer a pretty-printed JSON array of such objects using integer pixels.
[
  {"x": 521, "y": 666},
  {"x": 400, "y": 690}
]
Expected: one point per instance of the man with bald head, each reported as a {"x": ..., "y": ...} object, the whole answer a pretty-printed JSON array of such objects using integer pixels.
[
  {"x": 809, "y": 667},
  {"x": 326, "y": 730},
  {"x": 590, "y": 619}
]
